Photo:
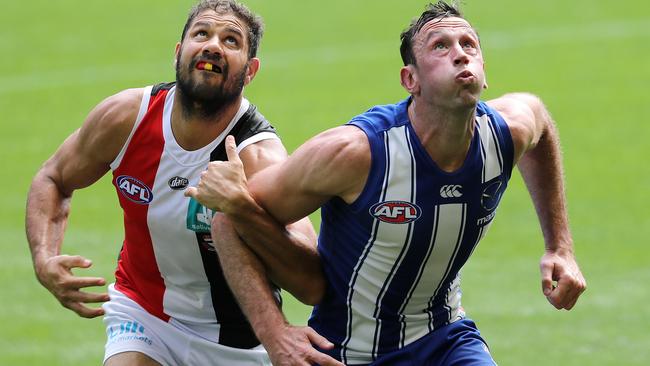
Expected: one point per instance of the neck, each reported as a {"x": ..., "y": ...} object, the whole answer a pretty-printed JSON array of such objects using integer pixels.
[
  {"x": 194, "y": 126},
  {"x": 446, "y": 133}
]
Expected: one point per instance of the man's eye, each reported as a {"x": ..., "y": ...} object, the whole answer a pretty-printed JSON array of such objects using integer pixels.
[
  {"x": 231, "y": 41},
  {"x": 201, "y": 33},
  {"x": 439, "y": 46},
  {"x": 469, "y": 44}
]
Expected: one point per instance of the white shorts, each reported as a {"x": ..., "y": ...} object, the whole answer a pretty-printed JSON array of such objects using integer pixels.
[{"x": 131, "y": 328}]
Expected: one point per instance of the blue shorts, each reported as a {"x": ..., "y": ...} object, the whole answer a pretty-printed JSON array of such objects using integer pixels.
[{"x": 456, "y": 344}]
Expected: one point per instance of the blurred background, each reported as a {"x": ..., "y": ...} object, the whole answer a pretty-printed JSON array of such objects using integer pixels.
[{"x": 322, "y": 63}]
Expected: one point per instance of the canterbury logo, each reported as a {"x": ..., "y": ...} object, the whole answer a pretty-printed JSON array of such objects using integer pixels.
[{"x": 451, "y": 191}]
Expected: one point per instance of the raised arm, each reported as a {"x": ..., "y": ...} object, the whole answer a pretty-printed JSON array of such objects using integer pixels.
[
  {"x": 537, "y": 149},
  {"x": 326, "y": 166},
  {"x": 81, "y": 160}
]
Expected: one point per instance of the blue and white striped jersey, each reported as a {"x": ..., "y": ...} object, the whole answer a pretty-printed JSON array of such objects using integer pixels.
[{"x": 392, "y": 257}]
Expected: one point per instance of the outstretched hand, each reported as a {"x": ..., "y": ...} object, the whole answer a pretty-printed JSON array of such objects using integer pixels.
[
  {"x": 570, "y": 283},
  {"x": 293, "y": 345},
  {"x": 223, "y": 184},
  {"x": 56, "y": 275}
]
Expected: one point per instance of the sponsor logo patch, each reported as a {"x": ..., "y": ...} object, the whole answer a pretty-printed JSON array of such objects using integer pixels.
[
  {"x": 134, "y": 190},
  {"x": 199, "y": 217},
  {"x": 396, "y": 212},
  {"x": 491, "y": 195},
  {"x": 178, "y": 183},
  {"x": 127, "y": 331},
  {"x": 451, "y": 191}
]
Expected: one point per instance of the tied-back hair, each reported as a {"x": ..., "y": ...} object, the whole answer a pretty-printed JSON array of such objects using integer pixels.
[
  {"x": 441, "y": 10},
  {"x": 253, "y": 21}
]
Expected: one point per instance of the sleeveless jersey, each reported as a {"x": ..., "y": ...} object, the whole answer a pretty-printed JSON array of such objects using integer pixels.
[
  {"x": 392, "y": 257},
  {"x": 167, "y": 263}
]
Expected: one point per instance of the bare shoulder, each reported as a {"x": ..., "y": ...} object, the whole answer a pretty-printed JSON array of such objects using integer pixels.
[
  {"x": 520, "y": 111},
  {"x": 334, "y": 163},
  {"x": 515, "y": 107},
  {"x": 110, "y": 122},
  {"x": 261, "y": 155},
  {"x": 345, "y": 144},
  {"x": 86, "y": 155},
  {"x": 337, "y": 161}
]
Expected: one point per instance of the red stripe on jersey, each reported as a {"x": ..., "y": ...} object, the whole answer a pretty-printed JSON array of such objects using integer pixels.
[{"x": 137, "y": 274}]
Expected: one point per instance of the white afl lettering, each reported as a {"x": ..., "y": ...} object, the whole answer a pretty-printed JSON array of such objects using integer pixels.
[
  {"x": 410, "y": 213},
  {"x": 125, "y": 186},
  {"x": 395, "y": 212},
  {"x": 134, "y": 190},
  {"x": 384, "y": 211}
]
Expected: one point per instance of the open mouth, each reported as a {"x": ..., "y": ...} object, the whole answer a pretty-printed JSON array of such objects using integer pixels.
[
  {"x": 465, "y": 77},
  {"x": 207, "y": 66},
  {"x": 465, "y": 74}
]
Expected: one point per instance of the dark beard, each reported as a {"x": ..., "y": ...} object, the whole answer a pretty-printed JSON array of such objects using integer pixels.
[{"x": 206, "y": 102}]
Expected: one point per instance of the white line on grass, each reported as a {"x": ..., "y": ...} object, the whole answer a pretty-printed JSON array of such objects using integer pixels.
[{"x": 326, "y": 55}]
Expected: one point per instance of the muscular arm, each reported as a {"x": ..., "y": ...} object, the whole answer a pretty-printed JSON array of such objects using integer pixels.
[
  {"x": 331, "y": 164},
  {"x": 81, "y": 160},
  {"x": 537, "y": 148},
  {"x": 289, "y": 254},
  {"x": 298, "y": 269},
  {"x": 335, "y": 163}
]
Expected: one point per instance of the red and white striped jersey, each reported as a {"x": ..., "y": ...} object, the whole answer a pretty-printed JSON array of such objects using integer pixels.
[{"x": 167, "y": 263}]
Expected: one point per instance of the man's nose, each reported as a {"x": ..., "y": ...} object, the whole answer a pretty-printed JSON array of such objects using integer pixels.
[
  {"x": 213, "y": 46},
  {"x": 460, "y": 56}
]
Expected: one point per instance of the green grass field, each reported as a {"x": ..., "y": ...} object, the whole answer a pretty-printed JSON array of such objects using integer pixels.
[{"x": 323, "y": 62}]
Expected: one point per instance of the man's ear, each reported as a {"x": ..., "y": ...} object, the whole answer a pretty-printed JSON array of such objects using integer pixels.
[
  {"x": 485, "y": 84},
  {"x": 409, "y": 79},
  {"x": 177, "y": 51},
  {"x": 253, "y": 68}
]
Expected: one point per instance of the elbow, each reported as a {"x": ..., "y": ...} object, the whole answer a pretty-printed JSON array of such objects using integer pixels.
[{"x": 311, "y": 293}]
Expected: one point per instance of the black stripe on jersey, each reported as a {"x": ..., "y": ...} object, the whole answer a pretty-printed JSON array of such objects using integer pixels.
[
  {"x": 366, "y": 250},
  {"x": 162, "y": 86},
  {"x": 235, "y": 331},
  {"x": 250, "y": 124}
]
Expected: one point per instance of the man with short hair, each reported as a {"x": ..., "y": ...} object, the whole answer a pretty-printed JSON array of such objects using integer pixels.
[
  {"x": 170, "y": 304},
  {"x": 406, "y": 193}
]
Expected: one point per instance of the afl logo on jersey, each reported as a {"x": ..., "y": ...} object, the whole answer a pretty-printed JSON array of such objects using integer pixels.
[
  {"x": 134, "y": 190},
  {"x": 396, "y": 212}
]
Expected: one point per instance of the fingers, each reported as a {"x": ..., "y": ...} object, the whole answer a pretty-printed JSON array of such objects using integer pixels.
[
  {"x": 231, "y": 149},
  {"x": 65, "y": 286},
  {"x": 191, "y": 192},
  {"x": 75, "y": 261},
  {"x": 324, "y": 360},
  {"x": 321, "y": 342},
  {"x": 75, "y": 300},
  {"x": 560, "y": 294},
  {"x": 84, "y": 311},
  {"x": 569, "y": 288},
  {"x": 93, "y": 298},
  {"x": 547, "y": 277},
  {"x": 73, "y": 297},
  {"x": 318, "y": 339},
  {"x": 81, "y": 282}
]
